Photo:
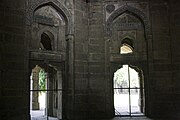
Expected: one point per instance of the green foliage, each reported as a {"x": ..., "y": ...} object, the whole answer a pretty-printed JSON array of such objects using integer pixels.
[{"x": 42, "y": 80}]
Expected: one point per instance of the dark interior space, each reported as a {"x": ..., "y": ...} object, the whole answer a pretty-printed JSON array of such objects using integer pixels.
[{"x": 89, "y": 60}]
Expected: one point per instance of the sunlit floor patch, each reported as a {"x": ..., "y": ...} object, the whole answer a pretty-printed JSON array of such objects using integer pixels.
[
  {"x": 122, "y": 105},
  {"x": 40, "y": 115},
  {"x": 43, "y": 118}
]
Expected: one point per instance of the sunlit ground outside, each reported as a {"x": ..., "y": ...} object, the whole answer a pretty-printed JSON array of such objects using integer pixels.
[
  {"x": 127, "y": 91},
  {"x": 122, "y": 104},
  {"x": 41, "y": 114}
]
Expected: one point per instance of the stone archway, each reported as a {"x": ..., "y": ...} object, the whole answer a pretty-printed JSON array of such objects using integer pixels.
[
  {"x": 128, "y": 87},
  {"x": 52, "y": 105},
  {"x": 63, "y": 55},
  {"x": 114, "y": 59}
]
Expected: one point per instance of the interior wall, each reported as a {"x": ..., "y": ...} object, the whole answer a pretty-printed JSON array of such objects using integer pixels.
[
  {"x": 15, "y": 89},
  {"x": 80, "y": 84},
  {"x": 162, "y": 84},
  {"x": 90, "y": 89},
  {"x": 175, "y": 37},
  {"x": 97, "y": 85},
  {"x": 1, "y": 48}
]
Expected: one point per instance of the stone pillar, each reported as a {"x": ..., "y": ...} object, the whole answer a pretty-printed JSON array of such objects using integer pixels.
[{"x": 35, "y": 94}]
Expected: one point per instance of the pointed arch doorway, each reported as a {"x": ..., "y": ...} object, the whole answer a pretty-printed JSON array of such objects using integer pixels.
[
  {"x": 46, "y": 90},
  {"x": 128, "y": 85}
]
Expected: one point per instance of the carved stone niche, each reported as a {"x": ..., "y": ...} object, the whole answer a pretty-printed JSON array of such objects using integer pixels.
[
  {"x": 48, "y": 15},
  {"x": 127, "y": 21},
  {"x": 140, "y": 15},
  {"x": 127, "y": 25},
  {"x": 48, "y": 29}
]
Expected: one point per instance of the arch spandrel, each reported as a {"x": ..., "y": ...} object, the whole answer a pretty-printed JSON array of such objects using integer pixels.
[
  {"x": 128, "y": 9},
  {"x": 61, "y": 9}
]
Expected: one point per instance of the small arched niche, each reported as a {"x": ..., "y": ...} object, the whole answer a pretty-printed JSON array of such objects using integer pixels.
[
  {"x": 126, "y": 46},
  {"x": 47, "y": 40}
]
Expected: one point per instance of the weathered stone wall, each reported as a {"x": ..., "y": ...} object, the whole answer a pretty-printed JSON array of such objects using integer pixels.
[
  {"x": 162, "y": 84},
  {"x": 175, "y": 37},
  {"x": 80, "y": 60},
  {"x": 15, "y": 89},
  {"x": 1, "y": 54},
  {"x": 96, "y": 60}
]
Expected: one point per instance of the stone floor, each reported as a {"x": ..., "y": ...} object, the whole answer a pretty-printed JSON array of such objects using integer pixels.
[
  {"x": 116, "y": 118},
  {"x": 43, "y": 118},
  {"x": 130, "y": 118},
  {"x": 139, "y": 118}
]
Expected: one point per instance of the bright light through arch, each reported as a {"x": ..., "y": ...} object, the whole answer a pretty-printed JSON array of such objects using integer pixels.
[{"x": 125, "y": 49}]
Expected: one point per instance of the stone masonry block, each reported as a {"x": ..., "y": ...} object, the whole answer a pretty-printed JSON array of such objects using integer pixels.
[
  {"x": 96, "y": 57},
  {"x": 96, "y": 49}
]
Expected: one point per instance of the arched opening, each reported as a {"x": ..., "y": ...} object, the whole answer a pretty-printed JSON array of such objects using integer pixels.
[
  {"x": 48, "y": 29},
  {"x": 127, "y": 29},
  {"x": 125, "y": 49},
  {"x": 128, "y": 92},
  {"x": 46, "y": 42},
  {"x": 45, "y": 93},
  {"x": 54, "y": 21},
  {"x": 126, "y": 46}
]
